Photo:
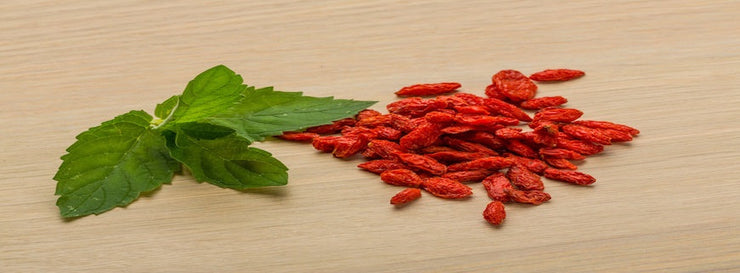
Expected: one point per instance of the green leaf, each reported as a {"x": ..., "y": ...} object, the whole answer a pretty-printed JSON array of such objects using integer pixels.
[
  {"x": 265, "y": 112},
  {"x": 110, "y": 165},
  {"x": 165, "y": 108},
  {"x": 212, "y": 92},
  {"x": 227, "y": 161}
]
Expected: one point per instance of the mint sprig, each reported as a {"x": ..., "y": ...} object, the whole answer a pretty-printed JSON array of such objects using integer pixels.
[{"x": 208, "y": 129}]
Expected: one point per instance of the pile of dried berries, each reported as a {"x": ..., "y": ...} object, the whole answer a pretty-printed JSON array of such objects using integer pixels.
[{"x": 441, "y": 144}]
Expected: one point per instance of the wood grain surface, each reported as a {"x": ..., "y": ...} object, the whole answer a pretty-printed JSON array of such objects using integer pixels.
[{"x": 667, "y": 202}]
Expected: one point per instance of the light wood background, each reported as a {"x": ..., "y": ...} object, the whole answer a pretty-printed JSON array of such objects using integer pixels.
[{"x": 667, "y": 202}]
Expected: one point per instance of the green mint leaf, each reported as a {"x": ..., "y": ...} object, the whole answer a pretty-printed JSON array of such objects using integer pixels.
[
  {"x": 265, "y": 112},
  {"x": 210, "y": 93},
  {"x": 110, "y": 165},
  {"x": 227, "y": 161},
  {"x": 165, "y": 108}
]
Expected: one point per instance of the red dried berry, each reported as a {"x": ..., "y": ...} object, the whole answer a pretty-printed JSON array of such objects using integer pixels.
[
  {"x": 423, "y": 163},
  {"x": 557, "y": 114},
  {"x": 573, "y": 177},
  {"x": 456, "y": 156},
  {"x": 381, "y": 165},
  {"x": 325, "y": 144},
  {"x": 428, "y": 89},
  {"x": 467, "y": 146},
  {"x": 415, "y": 106},
  {"x": 579, "y": 146},
  {"x": 446, "y": 188},
  {"x": 298, "y": 136},
  {"x": 543, "y": 102},
  {"x": 518, "y": 147},
  {"x": 528, "y": 197},
  {"x": 561, "y": 153},
  {"x": 514, "y": 85},
  {"x": 496, "y": 186},
  {"x": 401, "y": 177},
  {"x": 494, "y": 213},
  {"x": 489, "y": 163},
  {"x": 346, "y": 146},
  {"x": 506, "y": 109},
  {"x": 509, "y": 133},
  {"x": 560, "y": 163},
  {"x": 425, "y": 135},
  {"x": 405, "y": 196},
  {"x": 367, "y": 113},
  {"x": 560, "y": 74},
  {"x": 607, "y": 125},
  {"x": 587, "y": 134},
  {"x": 472, "y": 110},
  {"x": 468, "y": 176},
  {"x": 533, "y": 165},
  {"x": 524, "y": 179},
  {"x": 384, "y": 148}
]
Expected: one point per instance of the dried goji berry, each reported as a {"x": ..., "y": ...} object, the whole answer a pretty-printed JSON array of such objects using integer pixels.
[
  {"x": 560, "y": 74},
  {"x": 421, "y": 162},
  {"x": 561, "y": 153},
  {"x": 446, "y": 188},
  {"x": 436, "y": 149},
  {"x": 405, "y": 196},
  {"x": 380, "y": 165},
  {"x": 468, "y": 146},
  {"x": 325, "y": 143},
  {"x": 517, "y": 147},
  {"x": 440, "y": 117},
  {"x": 374, "y": 121},
  {"x": 401, "y": 177},
  {"x": 557, "y": 114},
  {"x": 509, "y": 133},
  {"x": 494, "y": 213},
  {"x": 489, "y": 163},
  {"x": 415, "y": 106},
  {"x": 514, "y": 85},
  {"x": 506, "y": 109},
  {"x": 616, "y": 135},
  {"x": 523, "y": 179},
  {"x": 428, "y": 89},
  {"x": 579, "y": 146},
  {"x": 384, "y": 148},
  {"x": 496, "y": 186},
  {"x": 383, "y": 132},
  {"x": 472, "y": 110},
  {"x": 454, "y": 130},
  {"x": 469, "y": 99},
  {"x": 487, "y": 139},
  {"x": 560, "y": 163},
  {"x": 484, "y": 120},
  {"x": 585, "y": 133},
  {"x": 534, "y": 165},
  {"x": 423, "y": 136},
  {"x": 543, "y": 102},
  {"x": 346, "y": 146},
  {"x": 528, "y": 197},
  {"x": 456, "y": 156},
  {"x": 546, "y": 134},
  {"x": 298, "y": 136},
  {"x": 468, "y": 176},
  {"x": 573, "y": 177},
  {"x": 367, "y": 113},
  {"x": 607, "y": 125},
  {"x": 493, "y": 92}
]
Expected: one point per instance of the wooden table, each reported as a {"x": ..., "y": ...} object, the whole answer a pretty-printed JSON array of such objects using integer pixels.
[{"x": 666, "y": 202}]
